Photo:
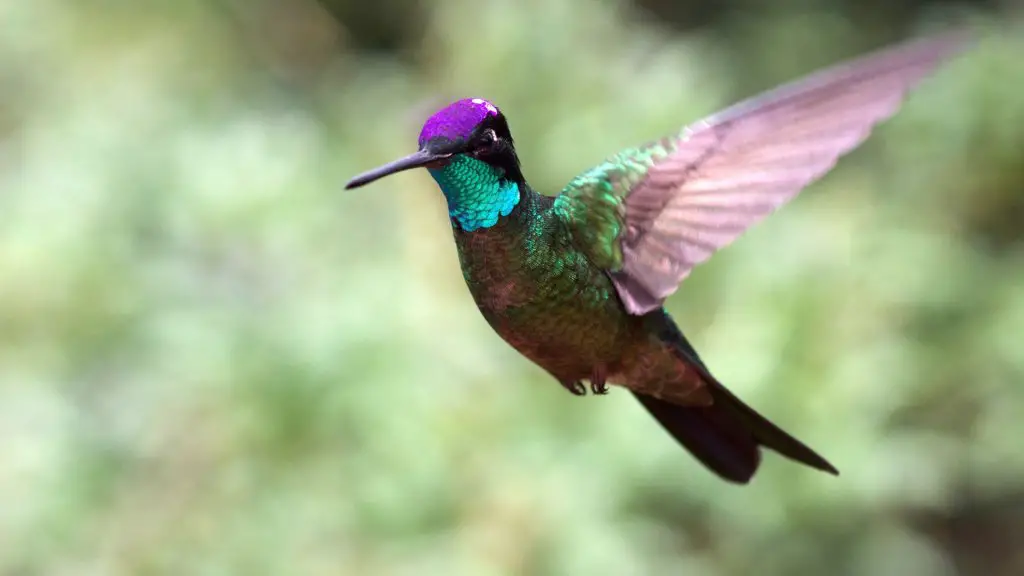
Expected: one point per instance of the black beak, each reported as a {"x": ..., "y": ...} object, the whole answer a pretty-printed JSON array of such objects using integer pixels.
[{"x": 417, "y": 159}]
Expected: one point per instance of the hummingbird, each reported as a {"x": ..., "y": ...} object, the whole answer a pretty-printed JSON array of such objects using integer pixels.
[{"x": 577, "y": 282}]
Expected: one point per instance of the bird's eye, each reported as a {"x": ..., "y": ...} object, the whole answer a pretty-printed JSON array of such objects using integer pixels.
[{"x": 487, "y": 140}]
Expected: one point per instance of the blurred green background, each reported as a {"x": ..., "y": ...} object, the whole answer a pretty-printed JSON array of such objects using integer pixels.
[{"x": 214, "y": 361}]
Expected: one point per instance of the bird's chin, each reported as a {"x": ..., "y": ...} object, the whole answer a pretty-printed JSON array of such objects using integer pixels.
[{"x": 438, "y": 164}]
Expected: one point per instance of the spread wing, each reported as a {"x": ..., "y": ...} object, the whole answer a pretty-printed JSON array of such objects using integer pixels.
[{"x": 648, "y": 215}]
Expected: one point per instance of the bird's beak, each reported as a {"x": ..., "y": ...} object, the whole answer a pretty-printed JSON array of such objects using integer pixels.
[{"x": 419, "y": 159}]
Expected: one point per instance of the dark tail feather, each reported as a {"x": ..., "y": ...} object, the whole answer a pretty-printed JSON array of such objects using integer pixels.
[{"x": 727, "y": 435}]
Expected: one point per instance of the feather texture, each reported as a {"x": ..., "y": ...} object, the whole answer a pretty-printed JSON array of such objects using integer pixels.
[{"x": 649, "y": 215}]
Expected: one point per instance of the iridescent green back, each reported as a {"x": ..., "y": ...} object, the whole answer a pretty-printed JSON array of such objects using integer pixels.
[{"x": 592, "y": 206}]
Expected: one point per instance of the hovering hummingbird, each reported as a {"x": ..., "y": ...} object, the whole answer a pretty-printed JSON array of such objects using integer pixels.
[{"x": 576, "y": 282}]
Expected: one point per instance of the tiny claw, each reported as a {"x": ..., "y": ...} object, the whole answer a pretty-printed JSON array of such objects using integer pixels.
[
  {"x": 576, "y": 388},
  {"x": 597, "y": 381}
]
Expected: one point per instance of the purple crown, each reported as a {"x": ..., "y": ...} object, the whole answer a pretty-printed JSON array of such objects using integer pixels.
[{"x": 457, "y": 120}]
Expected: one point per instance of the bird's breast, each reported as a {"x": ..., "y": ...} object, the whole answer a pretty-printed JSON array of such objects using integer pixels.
[{"x": 542, "y": 296}]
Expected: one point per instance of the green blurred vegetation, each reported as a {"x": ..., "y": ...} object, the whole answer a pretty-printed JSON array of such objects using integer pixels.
[{"x": 214, "y": 361}]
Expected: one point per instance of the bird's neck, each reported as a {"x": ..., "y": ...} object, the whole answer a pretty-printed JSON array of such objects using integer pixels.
[{"x": 478, "y": 194}]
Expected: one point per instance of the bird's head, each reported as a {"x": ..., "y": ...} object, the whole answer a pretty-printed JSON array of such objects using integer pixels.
[{"x": 468, "y": 129}]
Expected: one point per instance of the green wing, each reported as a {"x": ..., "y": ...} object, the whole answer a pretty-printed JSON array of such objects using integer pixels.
[
  {"x": 649, "y": 215},
  {"x": 593, "y": 204}
]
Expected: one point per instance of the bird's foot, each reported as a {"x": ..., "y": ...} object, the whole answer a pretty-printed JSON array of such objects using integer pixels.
[
  {"x": 575, "y": 387},
  {"x": 599, "y": 388}
]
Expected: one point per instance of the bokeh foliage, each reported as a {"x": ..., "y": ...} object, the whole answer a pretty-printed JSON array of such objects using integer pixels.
[{"x": 214, "y": 361}]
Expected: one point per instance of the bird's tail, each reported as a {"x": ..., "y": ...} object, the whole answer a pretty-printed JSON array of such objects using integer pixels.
[{"x": 727, "y": 435}]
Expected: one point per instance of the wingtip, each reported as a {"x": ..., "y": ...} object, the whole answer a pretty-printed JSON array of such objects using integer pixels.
[{"x": 953, "y": 41}]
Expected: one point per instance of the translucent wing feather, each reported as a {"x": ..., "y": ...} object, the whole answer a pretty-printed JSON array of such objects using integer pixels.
[{"x": 650, "y": 214}]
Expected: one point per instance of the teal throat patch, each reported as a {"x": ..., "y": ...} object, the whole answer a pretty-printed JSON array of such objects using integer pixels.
[{"x": 477, "y": 193}]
